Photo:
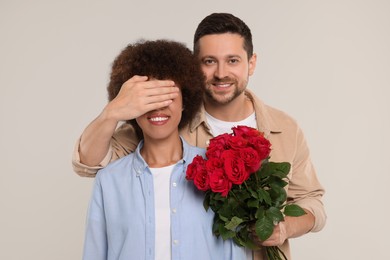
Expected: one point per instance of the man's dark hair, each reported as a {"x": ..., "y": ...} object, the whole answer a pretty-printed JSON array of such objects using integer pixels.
[
  {"x": 162, "y": 60},
  {"x": 219, "y": 23}
]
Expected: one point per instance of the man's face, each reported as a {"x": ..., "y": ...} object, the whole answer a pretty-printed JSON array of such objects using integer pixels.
[{"x": 224, "y": 62}]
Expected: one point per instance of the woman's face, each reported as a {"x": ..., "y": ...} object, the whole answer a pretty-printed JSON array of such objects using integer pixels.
[{"x": 162, "y": 123}]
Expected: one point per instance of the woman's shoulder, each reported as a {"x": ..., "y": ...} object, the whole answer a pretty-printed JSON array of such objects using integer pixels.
[
  {"x": 117, "y": 167},
  {"x": 191, "y": 151}
]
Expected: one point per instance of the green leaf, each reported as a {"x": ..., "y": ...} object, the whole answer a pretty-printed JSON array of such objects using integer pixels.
[
  {"x": 215, "y": 201},
  {"x": 264, "y": 196},
  {"x": 279, "y": 174},
  {"x": 242, "y": 212},
  {"x": 225, "y": 233},
  {"x": 293, "y": 210},
  {"x": 253, "y": 203},
  {"x": 278, "y": 195},
  {"x": 227, "y": 211},
  {"x": 206, "y": 202},
  {"x": 217, "y": 197},
  {"x": 264, "y": 228},
  {"x": 277, "y": 182},
  {"x": 274, "y": 214},
  {"x": 277, "y": 169},
  {"x": 260, "y": 213},
  {"x": 243, "y": 239},
  {"x": 217, "y": 222},
  {"x": 233, "y": 223},
  {"x": 224, "y": 219},
  {"x": 253, "y": 193},
  {"x": 265, "y": 170},
  {"x": 242, "y": 195},
  {"x": 282, "y": 167}
]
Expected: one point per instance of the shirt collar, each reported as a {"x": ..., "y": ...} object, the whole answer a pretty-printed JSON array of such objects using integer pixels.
[
  {"x": 139, "y": 163},
  {"x": 200, "y": 118}
]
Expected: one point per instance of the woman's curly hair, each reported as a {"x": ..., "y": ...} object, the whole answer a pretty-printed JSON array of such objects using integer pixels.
[{"x": 162, "y": 60}]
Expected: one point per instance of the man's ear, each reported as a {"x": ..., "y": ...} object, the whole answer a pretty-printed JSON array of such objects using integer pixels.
[{"x": 252, "y": 64}]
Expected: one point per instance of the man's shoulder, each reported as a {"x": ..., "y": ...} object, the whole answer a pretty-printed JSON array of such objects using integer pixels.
[
  {"x": 279, "y": 114},
  {"x": 275, "y": 118}
]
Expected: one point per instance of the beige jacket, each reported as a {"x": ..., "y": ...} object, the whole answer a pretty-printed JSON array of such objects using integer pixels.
[{"x": 288, "y": 145}]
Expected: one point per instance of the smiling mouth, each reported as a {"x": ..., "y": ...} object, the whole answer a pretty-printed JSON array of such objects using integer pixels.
[
  {"x": 158, "y": 119},
  {"x": 222, "y": 85}
]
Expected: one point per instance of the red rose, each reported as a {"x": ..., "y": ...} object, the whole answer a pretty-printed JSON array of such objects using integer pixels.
[
  {"x": 214, "y": 163},
  {"x": 262, "y": 146},
  {"x": 237, "y": 142},
  {"x": 251, "y": 159},
  {"x": 219, "y": 182},
  {"x": 215, "y": 151},
  {"x": 201, "y": 180},
  {"x": 197, "y": 165},
  {"x": 217, "y": 146},
  {"x": 245, "y": 131},
  {"x": 220, "y": 139},
  {"x": 234, "y": 167}
]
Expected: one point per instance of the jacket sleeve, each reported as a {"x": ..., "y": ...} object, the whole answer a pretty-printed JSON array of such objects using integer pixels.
[
  {"x": 304, "y": 187},
  {"x": 123, "y": 142}
]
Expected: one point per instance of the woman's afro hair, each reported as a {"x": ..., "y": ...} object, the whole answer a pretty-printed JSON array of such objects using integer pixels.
[{"x": 162, "y": 60}]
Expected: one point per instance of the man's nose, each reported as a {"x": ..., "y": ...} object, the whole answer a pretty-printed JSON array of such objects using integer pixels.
[{"x": 220, "y": 71}]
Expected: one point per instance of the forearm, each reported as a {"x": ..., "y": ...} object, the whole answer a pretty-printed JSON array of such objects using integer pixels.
[
  {"x": 95, "y": 140},
  {"x": 298, "y": 226},
  {"x": 136, "y": 97}
]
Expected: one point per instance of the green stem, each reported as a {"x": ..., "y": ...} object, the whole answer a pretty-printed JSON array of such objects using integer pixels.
[
  {"x": 257, "y": 179},
  {"x": 235, "y": 197},
  {"x": 275, "y": 253},
  {"x": 246, "y": 185}
]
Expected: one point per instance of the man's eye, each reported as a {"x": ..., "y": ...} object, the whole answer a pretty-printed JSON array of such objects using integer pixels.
[
  {"x": 233, "y": 61},
  {"x": 208, "y": 62}
]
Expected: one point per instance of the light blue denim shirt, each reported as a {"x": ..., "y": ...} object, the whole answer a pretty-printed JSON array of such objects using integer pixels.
[{"x": 121, "y": 219}]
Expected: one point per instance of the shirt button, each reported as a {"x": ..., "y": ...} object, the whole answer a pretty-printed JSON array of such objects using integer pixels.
[
  {"x": 176, "y": 242},
  {"x": 174, "y": 210},
  {"x": 174, "y": 184}
]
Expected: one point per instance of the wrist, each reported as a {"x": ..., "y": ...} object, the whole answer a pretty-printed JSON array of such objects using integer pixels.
[
  {"x": 297, "y": 226},
  {"x": 107, "y": 117}
]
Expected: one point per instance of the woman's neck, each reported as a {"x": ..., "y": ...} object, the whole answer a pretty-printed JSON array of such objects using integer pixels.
[{"x": 159, "y": 153}]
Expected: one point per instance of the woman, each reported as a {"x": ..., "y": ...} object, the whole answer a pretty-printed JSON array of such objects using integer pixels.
[{"x": 142, "y": 206}]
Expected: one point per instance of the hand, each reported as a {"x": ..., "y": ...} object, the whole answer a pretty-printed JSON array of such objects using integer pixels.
[
  {"x": 279, "y": 235},
  {"x": 139, "y": 95}
]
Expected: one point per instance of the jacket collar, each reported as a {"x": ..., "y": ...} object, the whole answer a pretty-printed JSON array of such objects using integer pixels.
[{"x": 265, "y": 123}]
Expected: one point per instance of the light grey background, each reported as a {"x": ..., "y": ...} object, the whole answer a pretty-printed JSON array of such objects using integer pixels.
[{"x": 326, "y": 63}]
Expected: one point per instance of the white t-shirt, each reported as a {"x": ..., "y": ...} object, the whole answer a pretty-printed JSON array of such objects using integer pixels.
[
  {"x": 220, "y": 127},
  {"x": 161, "y": 182}
]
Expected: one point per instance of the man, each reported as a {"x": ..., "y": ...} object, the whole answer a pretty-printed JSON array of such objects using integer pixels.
[{"x": 223, "y": 44}]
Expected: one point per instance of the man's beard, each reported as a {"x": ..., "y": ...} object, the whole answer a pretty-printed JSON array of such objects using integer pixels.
[{"x": 225, "y": 98}]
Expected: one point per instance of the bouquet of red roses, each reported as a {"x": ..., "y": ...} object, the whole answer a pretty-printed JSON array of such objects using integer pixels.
[{"x": 243, "y": 187}]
